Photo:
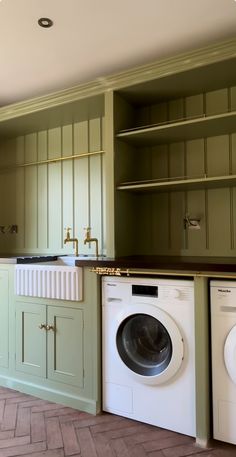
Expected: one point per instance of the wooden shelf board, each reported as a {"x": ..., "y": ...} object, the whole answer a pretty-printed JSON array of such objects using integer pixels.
[
  {"x": 219, "y": 124},
  {"x": 180, "y": 185}
]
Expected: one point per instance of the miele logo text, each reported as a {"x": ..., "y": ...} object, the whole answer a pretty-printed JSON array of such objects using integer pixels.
[{"x": 224, "y": 290}]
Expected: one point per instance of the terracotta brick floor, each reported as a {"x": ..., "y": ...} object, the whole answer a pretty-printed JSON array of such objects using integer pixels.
[{"x": 38, "y": 428}]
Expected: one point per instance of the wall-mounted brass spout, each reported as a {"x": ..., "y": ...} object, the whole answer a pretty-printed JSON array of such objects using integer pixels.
[
  {"x": 13, "y": 228},
  {"x": 88, "y": 239},
  {"x": 68, "y": 239},
  {"x": 191, "y": 222}
]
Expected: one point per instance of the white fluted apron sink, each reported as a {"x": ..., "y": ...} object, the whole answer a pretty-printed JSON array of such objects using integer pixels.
[{"x": 57, "y": 280}]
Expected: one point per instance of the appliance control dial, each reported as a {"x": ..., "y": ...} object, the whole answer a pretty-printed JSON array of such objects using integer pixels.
[{"x": 176, "y": 293}]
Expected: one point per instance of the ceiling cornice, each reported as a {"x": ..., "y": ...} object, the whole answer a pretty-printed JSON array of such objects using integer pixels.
[{"x": 158, "y": 69}]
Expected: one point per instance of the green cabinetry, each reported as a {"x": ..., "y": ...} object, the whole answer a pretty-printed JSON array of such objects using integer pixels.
[
  {"x": 51, "y": 348},
  {"x": 175, "y": 156},
  {"x": 4, "y": 311},
  {"x": 30, "y": 340},
  {"x": 49, "y": 342},
  {"x": 65, "y": 345}
]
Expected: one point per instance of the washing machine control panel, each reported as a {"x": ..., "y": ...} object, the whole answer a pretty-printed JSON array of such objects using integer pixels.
[
  {"x": 223, "y": 297},
  {"x": 130, "y": 290}
]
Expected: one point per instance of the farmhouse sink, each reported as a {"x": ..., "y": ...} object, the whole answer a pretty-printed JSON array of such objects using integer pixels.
[{"x": 59, "y": 279}]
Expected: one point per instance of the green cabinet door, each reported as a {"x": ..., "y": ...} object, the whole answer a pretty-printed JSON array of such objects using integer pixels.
[
  {"x": 4, "y": 302},
  {"x": 65, "y": 345},
  {"x": 31, "y": 339}
]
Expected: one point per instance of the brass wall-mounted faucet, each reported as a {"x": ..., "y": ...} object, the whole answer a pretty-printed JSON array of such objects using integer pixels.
[
  {"x": 68, "y": 239},
  {"x": 88, "y": 239}
]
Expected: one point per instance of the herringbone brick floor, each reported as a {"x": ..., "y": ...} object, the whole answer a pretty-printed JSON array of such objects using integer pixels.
[{"x": 33, "y": 427}]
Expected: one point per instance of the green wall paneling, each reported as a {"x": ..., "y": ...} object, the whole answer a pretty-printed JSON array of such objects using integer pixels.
[
  {"x": 19, "y": 192},
  {"x": 124, "y": 113},
  {"x": 96, "y": 184},
  {"x": 68, "y": 181},
  {"x": 160, "y": 227},
  {"x": 126, "y": 214},
  {"x": 44, "y": 199},
  {"x": 31, "y": 192}
]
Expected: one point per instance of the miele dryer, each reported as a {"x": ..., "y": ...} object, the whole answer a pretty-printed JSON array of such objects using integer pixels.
[
  {"x": 149, "y": 351},
  {"x": 223, "y": 337}
]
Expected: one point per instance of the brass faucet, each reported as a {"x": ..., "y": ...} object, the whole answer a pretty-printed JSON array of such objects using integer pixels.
[
  {"x": 68, "y": 239},
  {"x": 88, "y": 239}
]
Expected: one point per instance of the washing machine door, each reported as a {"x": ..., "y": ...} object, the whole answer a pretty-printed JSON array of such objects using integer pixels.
[
  {"x": 150, "y": 344},
  {"x": 230, "y": 354}
]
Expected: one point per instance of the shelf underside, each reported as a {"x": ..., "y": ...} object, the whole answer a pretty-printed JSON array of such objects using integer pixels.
[
  {"x": 179, "y": 185},
  {"x": 219, "y": 124}
]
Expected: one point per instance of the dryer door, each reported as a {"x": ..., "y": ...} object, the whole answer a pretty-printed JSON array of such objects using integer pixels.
[
  {"x": 149, "y": 344},
  {"x": 230, "y": 354}
]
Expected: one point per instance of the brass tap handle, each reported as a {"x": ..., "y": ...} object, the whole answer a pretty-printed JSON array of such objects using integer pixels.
[
  {"x": 68, "y": 232},
  {"x": 88, "y": 232},
  {"x": 41, "y": 326},
  {"x": 50, "y": 327}
]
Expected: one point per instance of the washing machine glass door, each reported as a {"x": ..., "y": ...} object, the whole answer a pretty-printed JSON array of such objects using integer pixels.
[
  {"x": 230, "y": 354},
  {"x": 144, "y": 344}
]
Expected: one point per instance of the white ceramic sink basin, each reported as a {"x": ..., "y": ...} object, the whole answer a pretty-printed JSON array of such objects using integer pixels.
[{"x": 57, "y": 280}]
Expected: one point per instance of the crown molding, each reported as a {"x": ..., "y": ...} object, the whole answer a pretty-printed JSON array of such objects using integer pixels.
[
  {"x": 160, "y": 68},
  {"x": 175, "y": 64}
]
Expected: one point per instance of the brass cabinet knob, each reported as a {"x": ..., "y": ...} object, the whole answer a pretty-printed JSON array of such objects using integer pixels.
[
  {"x": 41, "y": 326},
  {"x": 50, "y": 327}
]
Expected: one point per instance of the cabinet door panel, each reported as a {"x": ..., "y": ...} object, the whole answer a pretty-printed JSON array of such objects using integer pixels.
[
  {"x": 65, "y": 345},
  {"x": 30, "y": 339},
  {"x": 4, "y": 302}
]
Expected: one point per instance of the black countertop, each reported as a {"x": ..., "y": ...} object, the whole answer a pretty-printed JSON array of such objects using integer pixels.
[
  {"x": 197, "y": 264},
  {"x": 166, "y": 263}
]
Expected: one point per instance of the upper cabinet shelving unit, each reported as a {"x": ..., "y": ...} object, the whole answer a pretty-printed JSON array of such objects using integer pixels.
[
  {"x": 175, "y": 157},
  {"x": 158, "y": 125}
]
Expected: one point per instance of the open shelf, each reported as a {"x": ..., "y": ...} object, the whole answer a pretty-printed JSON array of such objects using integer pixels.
[
  {"x": 178, "y": 184},
  {"x": 188, "y": 129}
]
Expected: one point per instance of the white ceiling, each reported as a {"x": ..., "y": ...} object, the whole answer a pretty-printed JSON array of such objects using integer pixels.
[{"x": 94, "y": 38}]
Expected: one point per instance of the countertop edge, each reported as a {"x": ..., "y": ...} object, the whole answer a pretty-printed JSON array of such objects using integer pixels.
[{"x": 164, "y": 264}]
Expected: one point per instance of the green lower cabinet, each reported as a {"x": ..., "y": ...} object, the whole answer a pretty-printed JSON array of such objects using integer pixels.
[
  {"x": 4, "y": 305},
  {"x": 31, "y": 339},
  {"x": 65, "y": 346},
  {"x": 51, "y": 348},
  {"x": 49, "y": 342}
]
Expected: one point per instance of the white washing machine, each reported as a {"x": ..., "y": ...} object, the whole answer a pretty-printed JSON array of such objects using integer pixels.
[
  {"x": 149, "y": 351},
  {"x": 223, "y": 335}
]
